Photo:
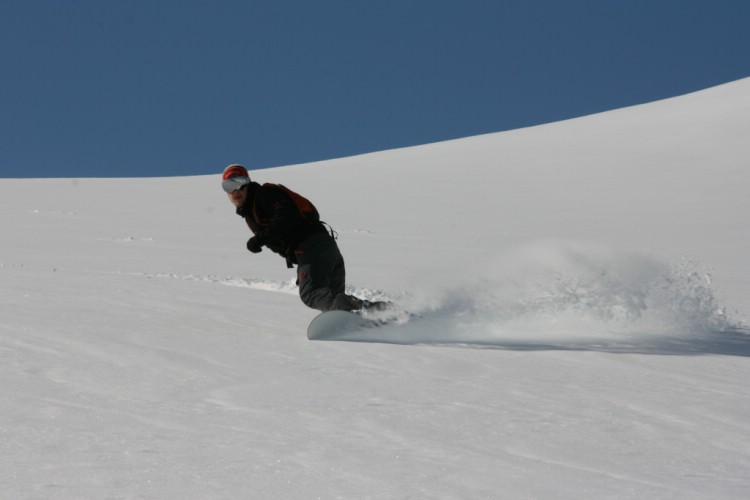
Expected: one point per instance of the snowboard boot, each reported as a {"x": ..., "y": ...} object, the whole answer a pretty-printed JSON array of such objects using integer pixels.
[
  {"x": 378, "y": 305},
  {"x": 344, "y": 302}
]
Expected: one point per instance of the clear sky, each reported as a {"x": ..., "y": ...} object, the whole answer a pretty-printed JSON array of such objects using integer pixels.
[{"x": 132, "y": 88}]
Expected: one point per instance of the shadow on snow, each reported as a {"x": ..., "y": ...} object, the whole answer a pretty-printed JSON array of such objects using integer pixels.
[{"x": 732, "y": 342}]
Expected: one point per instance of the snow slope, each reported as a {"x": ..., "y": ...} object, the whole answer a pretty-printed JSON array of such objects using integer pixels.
[{"x": 583, "y": 288}]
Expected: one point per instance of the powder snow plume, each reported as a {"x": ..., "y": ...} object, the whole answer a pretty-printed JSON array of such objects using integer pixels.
[{"x": 572, "y": 295}]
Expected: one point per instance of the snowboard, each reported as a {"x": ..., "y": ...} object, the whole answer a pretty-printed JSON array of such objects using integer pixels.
[
  {"x": 329, "y": 325},
  {"x": 354, "y": 327}
]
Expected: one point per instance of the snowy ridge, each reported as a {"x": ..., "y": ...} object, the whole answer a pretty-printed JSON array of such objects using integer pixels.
[
  {"x": 254, "y": 283},
  {"x": 596, "y": 269},
  {"x": 288, "y": 287}
]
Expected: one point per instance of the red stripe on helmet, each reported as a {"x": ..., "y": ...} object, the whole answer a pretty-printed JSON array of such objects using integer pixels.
[{"x": 234, "y": 171}]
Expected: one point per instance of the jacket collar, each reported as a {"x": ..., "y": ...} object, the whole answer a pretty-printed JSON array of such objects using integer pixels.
[{"x": 246, "y": 210}]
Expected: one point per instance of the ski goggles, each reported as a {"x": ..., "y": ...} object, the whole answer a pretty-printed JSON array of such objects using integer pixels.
[{"x": 234, "y": 183}]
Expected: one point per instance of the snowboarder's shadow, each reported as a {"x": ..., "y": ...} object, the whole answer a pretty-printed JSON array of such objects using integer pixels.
[
  {"x": 727, "y": 343},
  {"x": 734, "y": 342}
]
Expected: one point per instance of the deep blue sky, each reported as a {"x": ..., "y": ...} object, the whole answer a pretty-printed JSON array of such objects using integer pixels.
[{"x": 181, "y": 87}]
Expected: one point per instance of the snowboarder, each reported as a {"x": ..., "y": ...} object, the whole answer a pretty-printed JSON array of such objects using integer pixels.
[{"x": 289, "y": 225}]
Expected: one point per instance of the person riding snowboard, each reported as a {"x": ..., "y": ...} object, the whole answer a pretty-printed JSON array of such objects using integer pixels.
[{"x": 289, "y": 225}]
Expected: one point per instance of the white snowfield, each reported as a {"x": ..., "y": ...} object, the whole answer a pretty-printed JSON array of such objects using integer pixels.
[{"x": 583, "y": 288}]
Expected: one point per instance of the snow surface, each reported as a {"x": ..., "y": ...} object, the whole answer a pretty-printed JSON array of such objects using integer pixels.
[{"x": 583, "y": 289}]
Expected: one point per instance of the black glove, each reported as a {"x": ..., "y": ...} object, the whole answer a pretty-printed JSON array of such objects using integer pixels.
[{"x": 254, "y": 245}]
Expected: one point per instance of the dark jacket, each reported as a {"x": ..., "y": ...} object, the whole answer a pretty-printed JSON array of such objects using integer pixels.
[{"x": 275, "y": 220}]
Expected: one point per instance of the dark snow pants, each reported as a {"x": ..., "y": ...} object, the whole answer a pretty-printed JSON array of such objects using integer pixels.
[{"x": 321, "y": 275}]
